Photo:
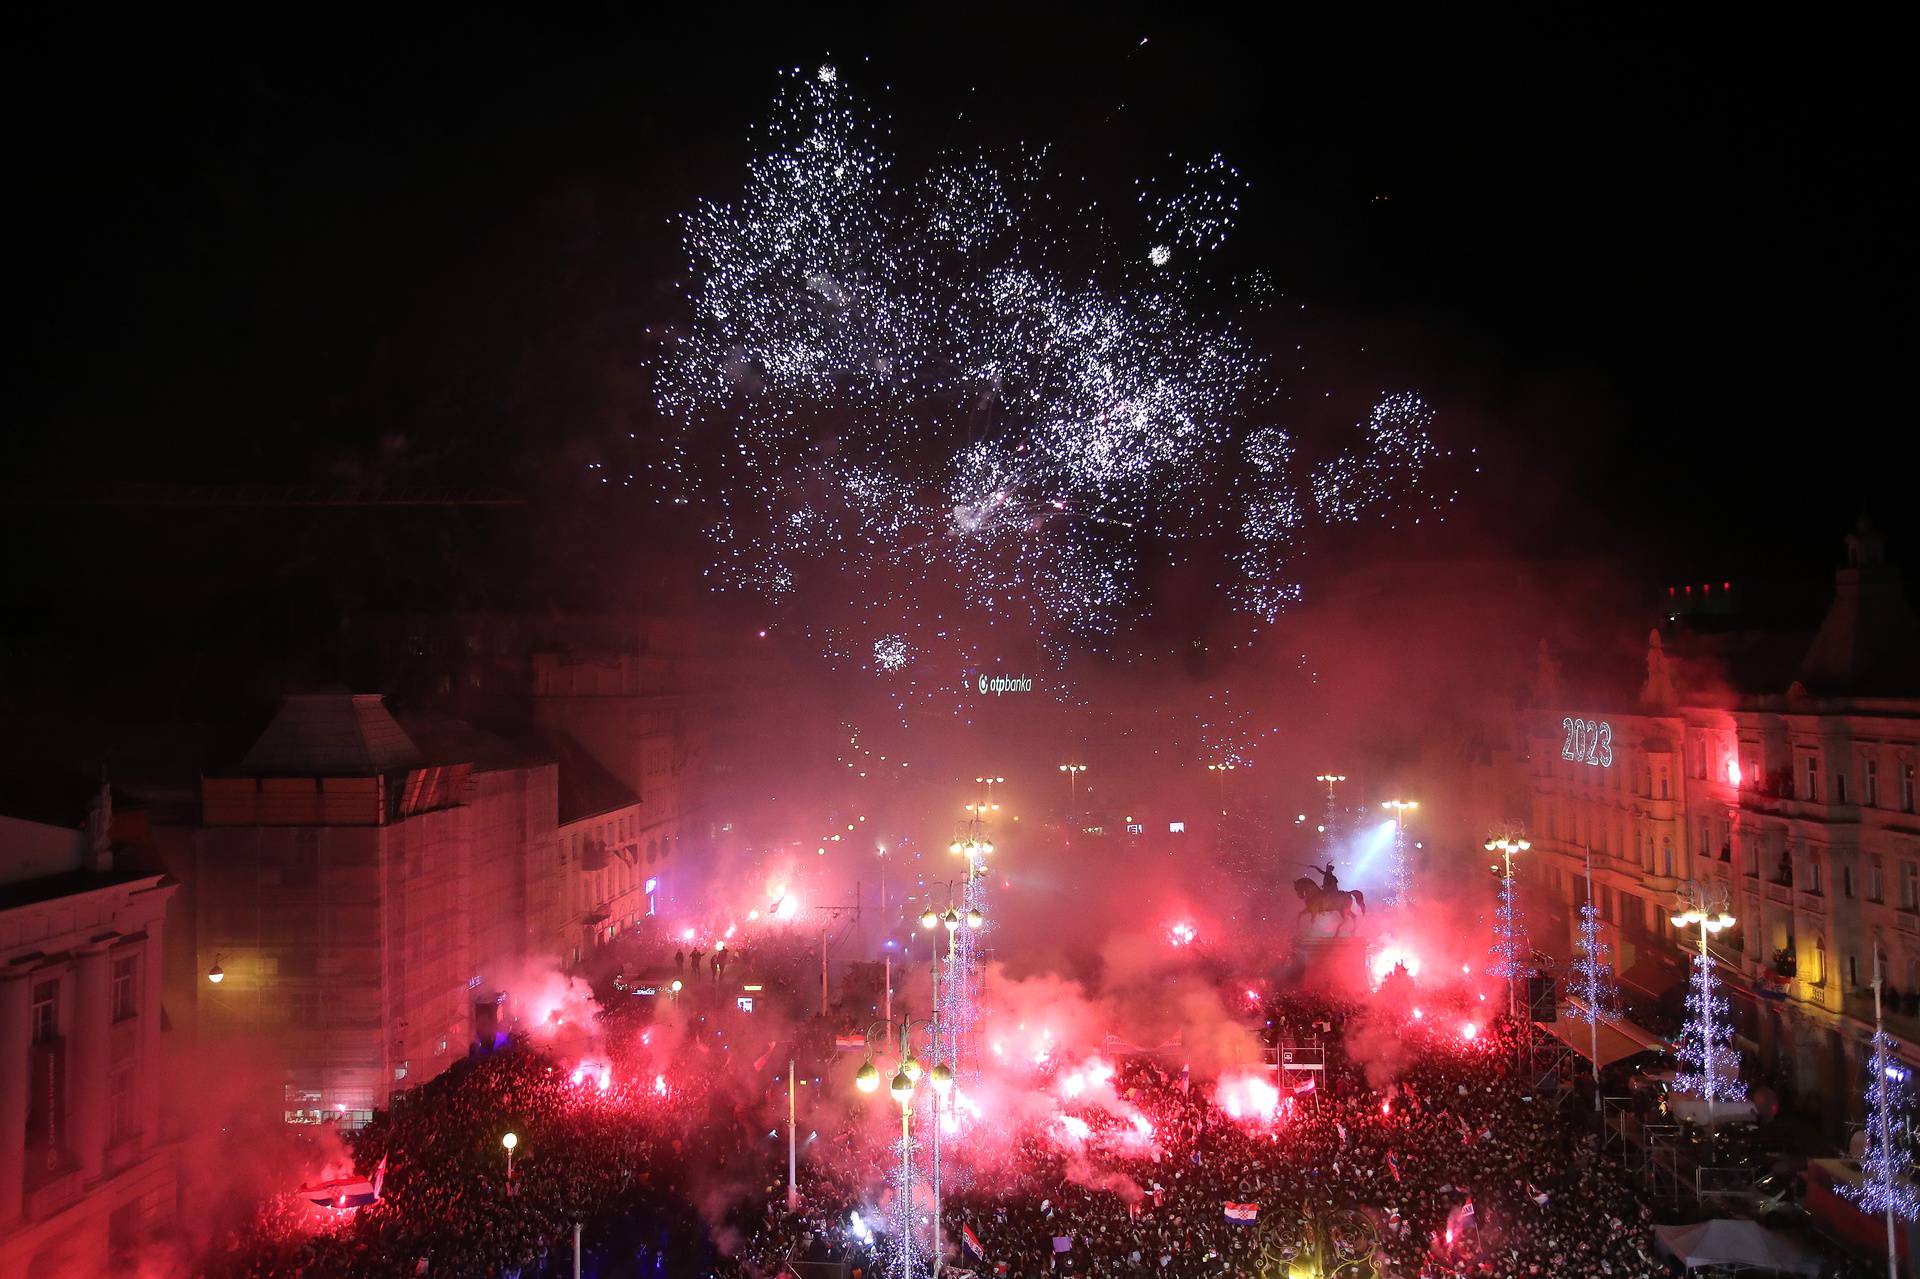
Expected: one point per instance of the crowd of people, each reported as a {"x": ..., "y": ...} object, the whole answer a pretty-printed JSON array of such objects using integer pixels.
[{"x": 1443, "y": 1163}]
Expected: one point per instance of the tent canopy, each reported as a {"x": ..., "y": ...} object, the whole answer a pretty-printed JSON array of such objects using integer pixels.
[
  {"x": 1618, "y": 1039},
  {"x": 1735, "y": 1244}
]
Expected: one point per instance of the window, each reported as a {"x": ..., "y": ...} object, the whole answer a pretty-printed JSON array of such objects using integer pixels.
[
  {"x": 1839, "y": 788},
  {"x": 126, "y": 997},
  {"x": 1810, "y": 787},
  {"x": 1870, "y": 783},
  {"x": 1753, "y": 858},
  {"x": 46, "y": 1011},
  {"x": 1906, "y": 788},
  {"x": 1909, "y": 887},
  {"x": 122, "y": 1113},
  {"x": 1666, "y": 858},
  {"x": 1663, "y": 785},
  {"x": 1873, "y": 883},
  {"x": 1813, "y": 877},
  {"x": 1853, "y": 970},
  {"x": 1846, "y": 880}
]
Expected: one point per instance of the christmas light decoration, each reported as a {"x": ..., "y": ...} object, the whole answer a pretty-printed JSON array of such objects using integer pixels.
[
  {"x": 1886, "y": 1186},
  {"x": 1593, "y": 983},
  {"x": 1710, "y": 1064},
  {"x": 1400, "y": 869},
  {"x": 1510, "y": 946}
]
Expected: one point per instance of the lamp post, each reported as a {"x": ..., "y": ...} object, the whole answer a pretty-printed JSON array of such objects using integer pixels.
[
  {"x": 1401, "y": 880},
  {"x": 510, "y": 1141},
  {"x": 901, "y": 1088},
  {"x": 1331, "y": 779},
  {"x": 1073, "y": 772},
  {"x": 216, "y": 974},
  {"x": 1695, "y": 910},
  {"x": 1507, "y": 846},
  {"x": 1220, "y": 771}
]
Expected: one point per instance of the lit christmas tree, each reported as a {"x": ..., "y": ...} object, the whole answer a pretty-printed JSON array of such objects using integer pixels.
[
  {"x": 1593, "y": 984},
  {"x": 1400, "y": 869},
  {"x": 1887, "y": 1163},
  {"x": 1510, "y": 947},
  {"x": 1710, "y": 1064}
]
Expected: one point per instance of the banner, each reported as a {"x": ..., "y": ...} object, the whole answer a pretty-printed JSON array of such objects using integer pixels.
[{"x": 1243, "y": 1214}]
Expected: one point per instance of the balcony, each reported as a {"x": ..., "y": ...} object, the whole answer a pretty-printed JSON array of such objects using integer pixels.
[
  {"x": 1811, "y": 903},
  {"x": 1780, "y": 894},
  {"x": 53, "y": 1194}
]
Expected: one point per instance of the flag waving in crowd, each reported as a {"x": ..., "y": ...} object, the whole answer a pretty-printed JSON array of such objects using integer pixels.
[{"x": 1243, "y": 1214}]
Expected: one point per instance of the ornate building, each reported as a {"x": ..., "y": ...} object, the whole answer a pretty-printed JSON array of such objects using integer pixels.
[
  {"x": 1797, "y": 802},
  {"x": 85, "y": 1171}
]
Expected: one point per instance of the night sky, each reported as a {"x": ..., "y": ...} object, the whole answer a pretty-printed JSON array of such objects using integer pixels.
[{"x": 1657, "y": 277}]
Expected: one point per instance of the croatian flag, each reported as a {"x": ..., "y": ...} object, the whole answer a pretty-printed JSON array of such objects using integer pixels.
[
  {"x": 971, "y": 1242},
  {"x": 1243, "y": 1214},
  {"x": 1301, "y": 1090}
]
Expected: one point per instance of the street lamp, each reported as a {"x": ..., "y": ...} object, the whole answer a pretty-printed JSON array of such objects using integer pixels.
[
  {"x": 510, "y": 1141},
  {"x": 1507, "y": 846},
  {"x": 1400, "y": 881},
  {"x": 216, "y": 974},
  {"x": 901, "y": 1088},
  {"x": 1331, "y": 779},
  {"x": 1220, "y": 771},
  {"x": 1695, "y": 912},
  {"x": 1073, "y": 772}
]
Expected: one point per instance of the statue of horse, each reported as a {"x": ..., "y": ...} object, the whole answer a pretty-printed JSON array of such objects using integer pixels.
[{"x": 1316, "y": 901}]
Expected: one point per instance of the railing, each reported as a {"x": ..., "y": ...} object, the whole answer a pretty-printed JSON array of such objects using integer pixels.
[
  {"x": 1813, "y": 903},
  {"x": 1781, "y": 894}
]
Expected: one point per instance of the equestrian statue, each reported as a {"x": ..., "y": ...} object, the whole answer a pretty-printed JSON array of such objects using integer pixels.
[{"x": 1327, "y": 898}]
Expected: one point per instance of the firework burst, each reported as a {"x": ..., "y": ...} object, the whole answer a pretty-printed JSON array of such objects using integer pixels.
[{"x": 910, "y": 407}]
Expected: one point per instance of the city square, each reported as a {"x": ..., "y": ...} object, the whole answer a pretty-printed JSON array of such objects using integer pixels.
[{"x": 839, "y": 644}]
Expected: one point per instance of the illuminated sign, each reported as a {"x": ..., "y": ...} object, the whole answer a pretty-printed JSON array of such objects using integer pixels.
[
  {"x": 998, "y": 684},
  {"x": 1176, "y": 828},
  {"x": 1588, "y": 742}
]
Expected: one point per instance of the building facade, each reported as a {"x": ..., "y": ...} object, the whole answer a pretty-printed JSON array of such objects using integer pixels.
[
  {"x": 362, "y": 898},
  {"x": 1796, "y": 807},
  {"x": 85, "y": 1171}
]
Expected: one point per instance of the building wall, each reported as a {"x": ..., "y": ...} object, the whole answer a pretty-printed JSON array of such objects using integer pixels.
[
  {"x": 85, "y": 1172},
  {"x": 1801, "y": 810}
]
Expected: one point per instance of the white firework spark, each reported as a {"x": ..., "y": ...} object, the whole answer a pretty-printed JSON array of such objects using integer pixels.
[{"x": 894, "y": 402}]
